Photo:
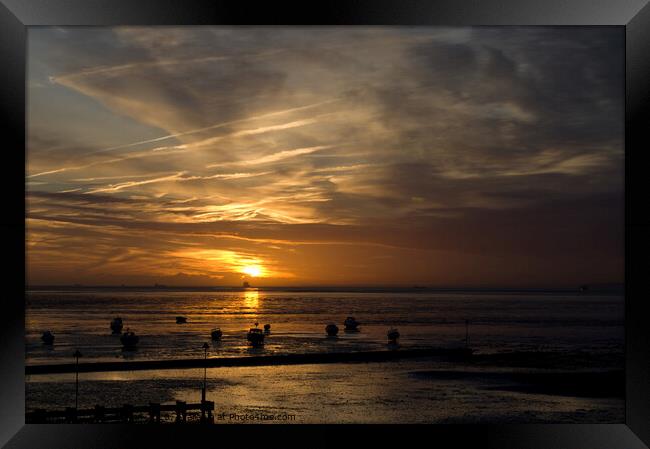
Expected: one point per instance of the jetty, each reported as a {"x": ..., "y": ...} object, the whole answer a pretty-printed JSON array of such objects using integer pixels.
[
  {"x": 266, "y": 360},
  {"x": 126, "y": 413}
]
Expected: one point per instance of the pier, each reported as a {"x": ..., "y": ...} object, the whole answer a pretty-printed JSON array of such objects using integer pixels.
[{"x": 126, "y": 413}]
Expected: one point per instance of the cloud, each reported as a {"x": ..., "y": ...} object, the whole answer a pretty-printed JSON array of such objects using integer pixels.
[
  {"x": 275, "y": 157},
  {"x": 306, "y": 147},
  {"x": 221, "y": 125},
  {"x": 129, "y": 184}
]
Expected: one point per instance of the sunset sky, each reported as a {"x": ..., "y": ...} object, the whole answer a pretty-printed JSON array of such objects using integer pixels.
[{"x": 325, "y": 156}]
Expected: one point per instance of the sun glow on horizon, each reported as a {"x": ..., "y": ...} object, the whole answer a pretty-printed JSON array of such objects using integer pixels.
[
  {"x": 226, "y": 263},
  {"x": 252, "y": 270}
]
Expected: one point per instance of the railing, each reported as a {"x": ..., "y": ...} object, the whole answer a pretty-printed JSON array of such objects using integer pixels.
[{"x": 126, "y": 413}]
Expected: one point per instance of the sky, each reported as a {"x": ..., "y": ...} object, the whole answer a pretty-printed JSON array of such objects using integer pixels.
[{"x": 479, "y": 157}]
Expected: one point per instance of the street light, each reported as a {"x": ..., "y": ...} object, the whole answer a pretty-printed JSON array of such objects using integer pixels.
[
  {"x": 205, "y": 369},
  {"x": 76, "y": 355}
]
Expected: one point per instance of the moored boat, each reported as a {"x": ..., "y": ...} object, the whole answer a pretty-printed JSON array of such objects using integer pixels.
[
  {"x": 255, "y": 336},
  {"x": 129, "y": 339},
  {"x": 116, "y": 325},
  {"x": 351, "y": 324},
  {"x": 47, "y": 337},
  {"x": 216, "y": 333},
  {"x": 181, "y": 320},
  {"x": 332, "y": 329}
]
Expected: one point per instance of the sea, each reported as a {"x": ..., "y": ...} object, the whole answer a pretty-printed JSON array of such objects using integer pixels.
[{"x": 509, "y": 332}]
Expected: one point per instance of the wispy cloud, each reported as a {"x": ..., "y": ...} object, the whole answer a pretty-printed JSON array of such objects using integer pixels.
[
  {"x": 222, "y": 125},
  {"x": 275, "y": 157},
  {"x": 130, "y": 184},
  {"x": 414, "y": 155}
]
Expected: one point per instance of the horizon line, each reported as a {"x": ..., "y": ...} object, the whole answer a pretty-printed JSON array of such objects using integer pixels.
[{"x": 586, "y": 286}]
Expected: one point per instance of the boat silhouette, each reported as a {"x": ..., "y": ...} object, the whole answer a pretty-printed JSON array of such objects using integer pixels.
[
  {"x": 116, "y": 325},
  {"x": 47, "y": 337},
  {"x": 255, "y": 336},
  {"x": 129, "y": 339},
  {"x": 216, "y": 334},
  {"x": 351, "y": 324},
  {"x": 332, "y": 330}
]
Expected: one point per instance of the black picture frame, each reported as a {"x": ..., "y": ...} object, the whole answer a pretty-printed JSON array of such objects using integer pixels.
[{"x": 634, "y": 15}]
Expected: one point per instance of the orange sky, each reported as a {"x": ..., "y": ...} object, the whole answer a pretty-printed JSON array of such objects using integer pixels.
[{"x": 326, "y": 156}]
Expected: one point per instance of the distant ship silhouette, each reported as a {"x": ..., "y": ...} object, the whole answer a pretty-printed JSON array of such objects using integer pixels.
[{"x": 246, "y": 284}]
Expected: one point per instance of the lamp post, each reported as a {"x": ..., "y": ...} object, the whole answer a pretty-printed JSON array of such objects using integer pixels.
[
  {"x": 76, "y": 355},
  {"x": 205, "y": 369}
]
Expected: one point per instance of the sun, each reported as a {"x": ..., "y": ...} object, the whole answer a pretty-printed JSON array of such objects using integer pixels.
[{"x": 252, "y": 270}]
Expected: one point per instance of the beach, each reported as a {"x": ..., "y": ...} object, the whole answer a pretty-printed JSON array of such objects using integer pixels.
[{"x": 418, "y": 391}]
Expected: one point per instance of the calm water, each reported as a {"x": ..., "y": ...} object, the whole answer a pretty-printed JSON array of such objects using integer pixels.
[{"x": 498, "y": 322}]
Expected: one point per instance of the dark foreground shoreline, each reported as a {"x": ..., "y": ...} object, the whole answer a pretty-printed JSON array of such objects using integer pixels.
[{"x": 288, "y": 359}]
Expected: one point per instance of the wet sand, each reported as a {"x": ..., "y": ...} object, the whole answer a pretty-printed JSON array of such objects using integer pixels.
[
  {"x": 423, "y": 390},
  {"x": 596, "y": 384}
]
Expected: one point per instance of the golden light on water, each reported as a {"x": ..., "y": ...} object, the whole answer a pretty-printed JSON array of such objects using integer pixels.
[{"x": 251, "y": 299}]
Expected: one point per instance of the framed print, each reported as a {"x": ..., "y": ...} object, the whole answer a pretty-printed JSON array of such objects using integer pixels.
[{"x": 380, "y": 218}]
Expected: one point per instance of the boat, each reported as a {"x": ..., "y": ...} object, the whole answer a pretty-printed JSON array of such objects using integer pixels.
[
  {"x": 332, "y": 329},
  {"x": 47, "y": 337},
  {"x": 255, "y": 336},
  {"x": 216, "y": 333},
  {"x": 181, "y": 320},
  {"x": 246, "y": 284},
  {"x": 129, "y": 339},
  {"x": 393, "y": 334},
  {"x": 267, "y": 328},
  {"x": 351, "y": 324},
  {"x": 116, "y": 325}
]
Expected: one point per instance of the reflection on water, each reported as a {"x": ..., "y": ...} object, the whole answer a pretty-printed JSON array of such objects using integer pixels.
[
  {"x": 129, "y": 353},
  {"x": 393, "y": 346},
  {"x": 255, "y": 350},
  {"x": 251, "y": 300}
]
